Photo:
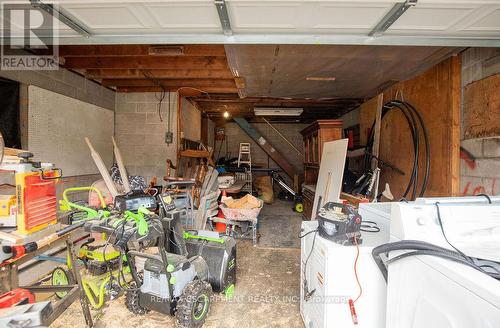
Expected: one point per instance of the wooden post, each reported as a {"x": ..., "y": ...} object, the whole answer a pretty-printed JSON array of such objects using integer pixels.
[{"x": 376, "y": 132}]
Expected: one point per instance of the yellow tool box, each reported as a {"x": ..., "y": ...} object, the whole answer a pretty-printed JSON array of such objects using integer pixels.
[
  {"x": 34, "y": 205},
  {"x": 8, "y": 210}
]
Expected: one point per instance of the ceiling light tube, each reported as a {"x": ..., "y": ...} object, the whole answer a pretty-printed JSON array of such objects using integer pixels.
[
  {"x": 62, "y": 16},
  {"x": 277, "y": 111},
  {"x": 391, "y": 17}
]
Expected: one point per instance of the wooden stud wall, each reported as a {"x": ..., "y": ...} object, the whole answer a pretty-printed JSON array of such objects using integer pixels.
[{"x": 436, "y": 95}]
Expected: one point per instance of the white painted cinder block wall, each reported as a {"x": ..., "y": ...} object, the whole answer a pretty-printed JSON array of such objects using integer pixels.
[
  {"x": 481, "y": 173},
  {"x": 140, "y": 133}
]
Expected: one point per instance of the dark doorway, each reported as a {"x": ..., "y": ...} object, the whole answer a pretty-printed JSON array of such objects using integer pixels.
[{"x": 9, "y": 113}]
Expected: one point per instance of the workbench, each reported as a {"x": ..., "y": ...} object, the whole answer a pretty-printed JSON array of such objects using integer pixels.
[{"x": 9, "y": 278}]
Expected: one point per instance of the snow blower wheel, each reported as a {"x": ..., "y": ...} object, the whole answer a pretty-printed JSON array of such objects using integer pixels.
[
  {"x": 61, "y": 277},
  {"x": 132, "y": 301},
  {"x": 299, "y": 208},
  {"x": 194, "y": 304}
]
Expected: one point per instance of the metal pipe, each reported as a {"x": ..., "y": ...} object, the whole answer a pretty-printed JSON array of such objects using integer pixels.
[{"x": 282, "y": 136}]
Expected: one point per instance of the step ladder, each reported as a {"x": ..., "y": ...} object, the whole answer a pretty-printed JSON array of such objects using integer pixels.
[{"x": 244, "y": 157}]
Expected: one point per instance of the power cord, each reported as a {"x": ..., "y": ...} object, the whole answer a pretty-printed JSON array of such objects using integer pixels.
[
  {"x": 444, "y": 234},
  {"x": 352, "y": 308},
  {"x": 369, "y": 226},
  {"x": 356, "y": 270},
  {"x": 307, "y": 293},
  {"x": 485, "y": 196}
]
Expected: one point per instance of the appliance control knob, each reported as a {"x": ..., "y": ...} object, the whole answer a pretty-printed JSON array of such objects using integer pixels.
[{"x": 421, "y": 220}]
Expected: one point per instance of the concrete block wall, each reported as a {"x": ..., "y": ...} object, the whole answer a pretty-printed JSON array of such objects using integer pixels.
[
  {"x": 350, "y": 119},
  {"x": 480, "y": 157},
  {"x": 480, "y": 166},
  {"x": 140, "y": 133}
]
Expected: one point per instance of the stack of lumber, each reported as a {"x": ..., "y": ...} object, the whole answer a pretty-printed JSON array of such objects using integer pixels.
[
  {"x": 10, "y": 155},
  {"x": 246, "y": 202}
]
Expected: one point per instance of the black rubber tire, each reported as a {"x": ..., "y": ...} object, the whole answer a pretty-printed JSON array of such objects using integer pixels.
[
  {"x": 189, "y": 301},
  {"x": 132, "y": 301}
]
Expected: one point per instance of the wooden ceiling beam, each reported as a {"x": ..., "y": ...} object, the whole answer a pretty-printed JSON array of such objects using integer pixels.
[
  {"x": 159, "y": 73},
  {"x": 140, "y": 50},
  {"x": 283, "y": 102},
  {"x": 185, "y": 91},
  {"x": 198, "y": 83},
  {"x": 145, "y": 62}
]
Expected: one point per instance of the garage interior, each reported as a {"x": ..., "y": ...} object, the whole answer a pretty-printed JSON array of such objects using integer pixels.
[{"x": 250, "y": 164}]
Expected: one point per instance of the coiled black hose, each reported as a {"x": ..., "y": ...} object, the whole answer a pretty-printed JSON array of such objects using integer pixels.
[
  {"x": 416, "y": 124},
  {"x": 420, "y": 248}
]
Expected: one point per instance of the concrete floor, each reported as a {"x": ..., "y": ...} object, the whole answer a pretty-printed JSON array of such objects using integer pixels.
[
  {"x": 279, "y": 225},
  {"x": 266, "y": 295}
]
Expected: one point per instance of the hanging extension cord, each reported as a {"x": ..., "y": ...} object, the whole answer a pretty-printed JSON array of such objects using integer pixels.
[{"x": 352, "y": 308}]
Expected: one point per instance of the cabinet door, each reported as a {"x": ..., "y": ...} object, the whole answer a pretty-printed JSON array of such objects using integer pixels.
[
  {"x": 306, "y": 150},
  {"x": 311, "y": 149},
  {"x": 315, "y": 148}
]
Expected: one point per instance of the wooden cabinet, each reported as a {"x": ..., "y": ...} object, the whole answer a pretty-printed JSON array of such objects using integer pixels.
[{"x": 315, "y": 135}]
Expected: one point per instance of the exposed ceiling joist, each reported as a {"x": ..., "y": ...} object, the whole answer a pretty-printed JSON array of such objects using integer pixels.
[
  {"x": 141, "y": 50},
  {"x": 187, "y": 91},
  {"x": 215, "y": 106},
  {"x": 280, "y": 101},
  {"x": 159, "y": 73},
  {"x": 146, "y": 62},
  {"x": 197, "y": 70},
  {"x": 197, "y": 83}
]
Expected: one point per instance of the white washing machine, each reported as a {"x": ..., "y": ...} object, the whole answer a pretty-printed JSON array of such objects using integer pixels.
[{"x": 431, "y": 292}]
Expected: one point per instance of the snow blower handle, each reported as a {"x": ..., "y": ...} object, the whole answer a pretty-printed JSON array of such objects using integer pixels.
[
  {"x": 139, "y": 218},
  {"x": 66, "y": 205}
]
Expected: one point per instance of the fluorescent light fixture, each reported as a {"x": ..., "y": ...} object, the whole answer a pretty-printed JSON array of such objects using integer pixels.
[
  {"x": 277, "y": 111},
  {"x": 62, "y": 16},
  {"x": 391, "y": 17}
]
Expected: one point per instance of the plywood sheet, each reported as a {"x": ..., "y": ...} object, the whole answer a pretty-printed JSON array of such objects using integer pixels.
[
  {"x": 482, "y": 108},
  {"x": 283, "y": 69},
  {"x": 57, "y": 126},
  {"x": 436, "y": 95},
  {"x": 331, "y": 172}
]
